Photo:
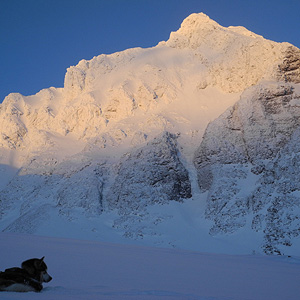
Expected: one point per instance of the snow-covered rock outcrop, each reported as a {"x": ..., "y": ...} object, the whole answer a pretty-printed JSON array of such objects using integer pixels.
[
  {"x": 240, "y": 162},
  {"x": 119, "y": 145},
  {"x": 151, "y": 174}
]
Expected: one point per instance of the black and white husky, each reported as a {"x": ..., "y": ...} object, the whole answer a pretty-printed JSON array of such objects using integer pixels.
[{"x": 29, "y": 277}]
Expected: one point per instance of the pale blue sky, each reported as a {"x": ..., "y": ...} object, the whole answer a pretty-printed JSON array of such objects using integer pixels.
[{"x": 40, "y": 39}]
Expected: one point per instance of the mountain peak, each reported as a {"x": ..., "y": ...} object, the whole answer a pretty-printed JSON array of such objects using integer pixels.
[
  {"x": 199, "y": 29},
  {"x": 196, "y": 19}
]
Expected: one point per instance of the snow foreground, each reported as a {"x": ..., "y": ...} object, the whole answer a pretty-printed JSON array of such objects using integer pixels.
[{"x": 95, "y": 270}]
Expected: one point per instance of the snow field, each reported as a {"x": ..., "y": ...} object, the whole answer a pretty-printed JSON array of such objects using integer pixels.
[{"x": 96, "y": 270}]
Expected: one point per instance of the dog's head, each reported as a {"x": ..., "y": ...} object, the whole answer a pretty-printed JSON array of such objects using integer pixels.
[{"x": 37, "y": 269}]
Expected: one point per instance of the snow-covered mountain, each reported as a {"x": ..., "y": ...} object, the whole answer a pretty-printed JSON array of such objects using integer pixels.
[{"x": 191, "y": 143}]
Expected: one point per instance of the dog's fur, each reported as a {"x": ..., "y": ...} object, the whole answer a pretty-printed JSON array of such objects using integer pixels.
[{"x": 29, "y": 277}]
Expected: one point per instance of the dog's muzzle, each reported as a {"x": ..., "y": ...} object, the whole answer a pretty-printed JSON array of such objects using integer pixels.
[{"x": 46, "y": 277}]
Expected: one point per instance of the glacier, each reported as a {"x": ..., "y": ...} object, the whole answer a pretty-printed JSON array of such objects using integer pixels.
[{"x": 191, "y": 143}]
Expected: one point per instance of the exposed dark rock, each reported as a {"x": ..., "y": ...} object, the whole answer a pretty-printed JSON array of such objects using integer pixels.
[
  {"x": 151, "y": 174},
  {"x": 289, "y": 69}
]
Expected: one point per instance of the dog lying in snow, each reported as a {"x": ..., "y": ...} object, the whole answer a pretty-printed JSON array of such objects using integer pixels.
[{"x": 29, "y": 277}]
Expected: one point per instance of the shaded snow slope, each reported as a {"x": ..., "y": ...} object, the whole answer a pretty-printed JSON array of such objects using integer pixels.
[
  {"x": 94, "y": 270},
  {"x": 112, "y": 154}
]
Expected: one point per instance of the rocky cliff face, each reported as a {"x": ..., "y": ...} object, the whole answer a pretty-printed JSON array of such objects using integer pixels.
[
  {"x": 123, "y": 138},
  {"x": 289, "y": 68},
  {"x": 239, "y": 161},
  {"x": 151, "y": 174}
]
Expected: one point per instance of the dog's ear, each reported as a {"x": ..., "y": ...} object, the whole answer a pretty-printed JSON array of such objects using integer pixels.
[{"x": 40, "y": 262}]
